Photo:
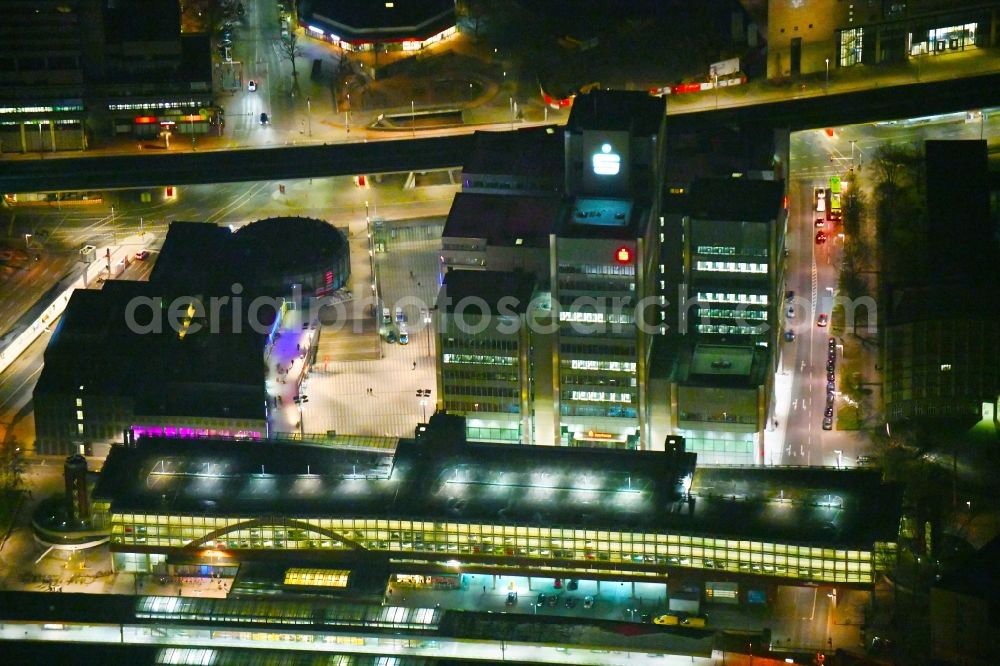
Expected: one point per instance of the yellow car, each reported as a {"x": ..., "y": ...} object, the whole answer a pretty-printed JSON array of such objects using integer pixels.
[
  {"x": 666, "y": 619},
  {"x": 698, "y": 622}
]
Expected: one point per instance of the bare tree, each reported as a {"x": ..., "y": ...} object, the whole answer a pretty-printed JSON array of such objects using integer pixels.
[{"x": 290, "y": 50}]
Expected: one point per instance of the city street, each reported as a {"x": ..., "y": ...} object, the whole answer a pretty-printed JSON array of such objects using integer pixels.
[{"x": 812, "y": 274}]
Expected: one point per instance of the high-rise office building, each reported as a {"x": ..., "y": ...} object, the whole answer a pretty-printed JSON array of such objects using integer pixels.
[
  {"x": 487, "y": 368},
  {"x": 722, "y": 275},
  {"x": 593, "y": 252}
]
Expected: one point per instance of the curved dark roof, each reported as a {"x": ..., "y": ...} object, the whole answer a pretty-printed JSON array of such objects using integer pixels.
[
  {"x": 376, "y": 21},
  {"x": 289, "y": 244}
]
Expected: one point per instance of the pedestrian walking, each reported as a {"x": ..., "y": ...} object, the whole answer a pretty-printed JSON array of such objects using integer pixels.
[{"x": 414, "y": 365}]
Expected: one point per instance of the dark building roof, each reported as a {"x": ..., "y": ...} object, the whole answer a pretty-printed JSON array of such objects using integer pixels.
[
  {"x": 195, "y": 259},
  {"x": 945, "y": 300},
  {"x": 502, "y": 219},
  {"x": 360, "y": 22},
  {"x": 718, "y": 151},
  {"x": 204, "y": 374},
  {"x": 958, "y": 208},
  {"x": 627, "y": 110},
  {"x": 439, "y": 476},
  {"x": 535, "y": 153},
  {"x": 721, "y": 365},
  {"x": 978, "y": 577},
  {"x": 142, "y": 20},
  {"x": 461, "y": 288},
  {"x": 736, "y": 199},
  {"x": 204, "y": 258},
  {"x": 288, "y": 245}
]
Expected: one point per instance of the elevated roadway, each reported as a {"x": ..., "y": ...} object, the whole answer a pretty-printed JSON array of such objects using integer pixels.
[{"x": 421, "y": 154}]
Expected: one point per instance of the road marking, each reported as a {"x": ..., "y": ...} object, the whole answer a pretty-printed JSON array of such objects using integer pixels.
[{"x": 17, "y": 391}]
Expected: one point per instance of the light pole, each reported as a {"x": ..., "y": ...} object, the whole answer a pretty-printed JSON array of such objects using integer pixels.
[
  {"x": 309, "y": 110},
  {"x": 427, "y": 325},
  {"x": 371, "y": 254},
  {"x": 422, "y": 396},
  {"x": 839, "y": 454},
  {"x": 413, "y": 119},
  {"x": 827, "y": 74}
]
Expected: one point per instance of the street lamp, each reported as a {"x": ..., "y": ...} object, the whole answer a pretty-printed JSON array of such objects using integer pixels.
[
  {"x": 413, "y": 119},
  {"x": 839, "y": 454},
  {"x": 423, "y": 395},
  {"x": 309, "y": 114},
  {"x": 427, "y": 324},
  {"x": 828, "y": 74}
]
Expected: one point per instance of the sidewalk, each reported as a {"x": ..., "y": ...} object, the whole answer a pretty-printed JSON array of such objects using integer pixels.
[{"x": 946, "y": 67}]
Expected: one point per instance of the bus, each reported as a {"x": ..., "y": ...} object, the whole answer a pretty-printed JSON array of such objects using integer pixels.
[{"x": 833, "y": 198}]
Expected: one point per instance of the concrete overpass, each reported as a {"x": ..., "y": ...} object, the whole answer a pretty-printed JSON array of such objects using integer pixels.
[{"x": 407, "y": 155}]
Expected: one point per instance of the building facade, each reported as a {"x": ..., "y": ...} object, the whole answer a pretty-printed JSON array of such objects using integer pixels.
[
  {"x": 487, "y": 368},
  {"x": 444, "y": 503},
  {"x": 593, "y": 248},
  {"x": 814, "y": 36},
  {"x": 722, "y": 275},
  {"x": 68, "y": 69},
  {"x": 374, "y": 26}
]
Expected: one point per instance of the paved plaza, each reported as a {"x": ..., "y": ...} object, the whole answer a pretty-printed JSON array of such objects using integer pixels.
[{"x": 338, "y": 391}]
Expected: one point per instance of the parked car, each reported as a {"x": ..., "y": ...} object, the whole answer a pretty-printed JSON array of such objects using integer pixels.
[
  {"x": 142, "y": 255},
  {"x": 390, "y": 337},
  {"x": 573, "y": 584},
  {"x": 404, "y": 338},
  {"x": 552, "y": 600},
  {"x": 827, "y": 423},
  {"x": 557, "y": 583},
  {"x": 588, "y": 602},
  {"x": 511, "y": 598},
  {"x": 669, "y": 619},
  {"x": 541, "y": 600},
  {"x": 696, "y": 621},
  {"x": 570, "y": 602}
]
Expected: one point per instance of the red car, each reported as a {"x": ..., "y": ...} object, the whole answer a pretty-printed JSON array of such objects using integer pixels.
[
  {"x": 142, "y": 255},
  {"x": 822, "y": 320},
  {"x": 820, "y": 237}
]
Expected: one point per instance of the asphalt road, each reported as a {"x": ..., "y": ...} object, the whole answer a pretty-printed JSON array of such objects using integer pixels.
[{"x": 812, "y": 271}]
